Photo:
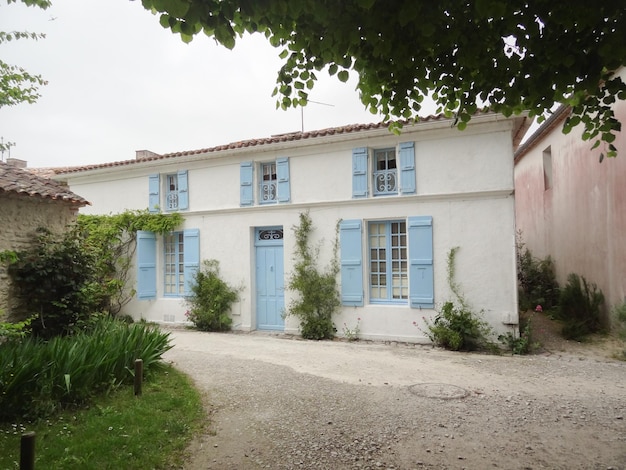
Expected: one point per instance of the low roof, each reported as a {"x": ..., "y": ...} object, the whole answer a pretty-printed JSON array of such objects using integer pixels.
[
  {"x": 24, "y": 183},
  {"x": 556, "y": 118}
]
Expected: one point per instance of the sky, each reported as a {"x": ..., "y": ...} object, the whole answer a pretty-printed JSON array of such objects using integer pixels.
[{"x": 118, "y": 82}]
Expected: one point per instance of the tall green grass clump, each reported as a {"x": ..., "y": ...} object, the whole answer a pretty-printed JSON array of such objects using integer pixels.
[{"x": 38, "y": 378}]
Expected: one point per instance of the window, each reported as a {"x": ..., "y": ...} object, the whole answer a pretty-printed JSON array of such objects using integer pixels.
[
  {"x": 175, "y": 194},
  {"x": 268, "y": 191},
  {"x": 273, "y": 182},
  {"x": 388, "y": 261},
  {"x": 174, "y": 279},
  {"x": 392, "y": 171},
  {"x": 385, "y": 173},
  {"x": 547, "y": 168},
  {"x": 181, "y": 260},
  {"x": 400, "y": 264},
  {"x": 171, "y": 192}
]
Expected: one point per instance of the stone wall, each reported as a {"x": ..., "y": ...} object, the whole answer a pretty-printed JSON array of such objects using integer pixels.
[{"x": 20, "y": 216}]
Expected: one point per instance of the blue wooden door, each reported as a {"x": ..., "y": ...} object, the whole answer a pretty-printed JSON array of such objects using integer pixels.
[{"x": 270, "y": 283}]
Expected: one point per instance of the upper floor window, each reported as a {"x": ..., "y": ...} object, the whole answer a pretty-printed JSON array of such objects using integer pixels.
[
  {"x": 171, "y": 198},
  {"x": 390, "y": 171},
  {"x": 272, "y": 182},
  {"x": 170, "y": 193},
  {"x": 385, "y": 172},
  {"x": 268, "y": 191}
]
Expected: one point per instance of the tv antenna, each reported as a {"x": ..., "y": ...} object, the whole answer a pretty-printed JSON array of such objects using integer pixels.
[{"x": 302, "y": 111}]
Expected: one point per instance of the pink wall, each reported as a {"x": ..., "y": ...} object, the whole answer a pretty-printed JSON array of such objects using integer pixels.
[{"x": 581, "y": 220}]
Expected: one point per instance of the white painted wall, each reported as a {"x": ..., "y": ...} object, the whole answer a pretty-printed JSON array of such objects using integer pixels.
[{"x": 464, "y": 181}]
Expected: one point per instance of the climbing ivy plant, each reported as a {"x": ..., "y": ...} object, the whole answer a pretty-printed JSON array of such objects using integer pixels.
[
  {"x": 318, "y": 295},
  {"x": 113, "y": 240},
  {"x": 63, "y": 280}
]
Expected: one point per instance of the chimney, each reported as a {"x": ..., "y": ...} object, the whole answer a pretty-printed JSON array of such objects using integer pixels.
[
  {"x": 16, "y": 162},
  {"x": 141, "y": 154}
]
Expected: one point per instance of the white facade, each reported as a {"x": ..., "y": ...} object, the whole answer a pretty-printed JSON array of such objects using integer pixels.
[{"x": 463, "y": 180}]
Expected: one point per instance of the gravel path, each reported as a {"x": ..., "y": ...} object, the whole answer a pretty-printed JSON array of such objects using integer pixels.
[{"x": 283, "y": 403}]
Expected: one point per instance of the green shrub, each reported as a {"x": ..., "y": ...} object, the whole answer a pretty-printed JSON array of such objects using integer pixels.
[
  {"x": 38, "y": 377},
  {"x": 581, "y": 305},
  {"x": 519, "y": 344},
  {"x": 55, "y": 280},
  {"x": 318, "y": 294},
  {"x": 456, "y": 326},
  {"x": 458, "y": 329},
  {"x": 10, "y": 331},
  {"x": 537, "y": 280},
  {"x": 210, "y": 299}
]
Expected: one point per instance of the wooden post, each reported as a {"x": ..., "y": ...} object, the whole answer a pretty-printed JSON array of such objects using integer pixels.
[
  {"x": 27, "y": 451},
  {"x": 138, "y": 376}
]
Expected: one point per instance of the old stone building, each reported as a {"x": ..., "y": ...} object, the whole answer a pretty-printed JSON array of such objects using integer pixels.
[{"x": 29, "y": 201}]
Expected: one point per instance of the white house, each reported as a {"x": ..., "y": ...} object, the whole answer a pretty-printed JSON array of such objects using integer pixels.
[{"x": 404, "y": 201}]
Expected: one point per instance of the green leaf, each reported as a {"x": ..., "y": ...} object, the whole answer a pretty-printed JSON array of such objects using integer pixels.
[{"x": 343, "y": 76}]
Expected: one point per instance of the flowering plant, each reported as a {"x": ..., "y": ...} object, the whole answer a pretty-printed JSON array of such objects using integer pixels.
[{"x": 352, "y": 334}]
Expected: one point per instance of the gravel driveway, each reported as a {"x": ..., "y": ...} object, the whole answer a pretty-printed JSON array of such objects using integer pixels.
[{"x": 284, "y": 403}]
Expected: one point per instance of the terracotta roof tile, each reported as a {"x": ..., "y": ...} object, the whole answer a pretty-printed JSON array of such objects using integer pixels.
[
  {"x": 24, "y": 183},
  {"x": 288, "y": 137}
]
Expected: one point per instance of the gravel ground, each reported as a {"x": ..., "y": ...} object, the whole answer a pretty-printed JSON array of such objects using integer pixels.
[{"x": 283, "y": 403}]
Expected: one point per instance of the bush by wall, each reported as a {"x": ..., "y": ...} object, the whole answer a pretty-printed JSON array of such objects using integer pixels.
[
  {"x": 210, "y": 299},
  {"x": 536, "y": 279},
  {"x": 318, "y": 294},
  {"x": 581, "y": 308}
]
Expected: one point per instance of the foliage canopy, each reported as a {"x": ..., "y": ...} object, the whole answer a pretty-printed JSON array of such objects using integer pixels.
[
  {"x": 465, "y": 54},
  {"x": 16, "y": 84}
]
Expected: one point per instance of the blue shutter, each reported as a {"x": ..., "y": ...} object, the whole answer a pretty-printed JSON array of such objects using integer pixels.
[
  {"x": 153, "y": 190},
  {"x": 146, "y": 265},
  {"x": 183, "y": 190},
  {"x": 245, "y": 184},
  {"x": 421, "y": 279},
  {"x": 351, "y": 263},
  {"x": 191, "y": 256},
  {"x": 359, "y": 172},
  {"x": 282, "y": 175},
  {"x": 407, "y": 168}
]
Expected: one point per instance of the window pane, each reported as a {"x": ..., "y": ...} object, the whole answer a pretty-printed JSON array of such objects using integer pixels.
[
  {"x": 388, "y": 260},
  {"x": 174, "y": 267}
]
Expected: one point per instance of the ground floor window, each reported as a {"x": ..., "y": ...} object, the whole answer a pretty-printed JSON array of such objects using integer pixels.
[
  {"x": 174, "y": 264},
  {"x": 393, "y": 260},
  {"x": 389, "y": 279}
]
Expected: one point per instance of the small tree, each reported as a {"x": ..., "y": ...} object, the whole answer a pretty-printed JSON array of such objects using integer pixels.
[
  {"x": 319, "y": 297},
  {"x": 210, "y": 299},
  {"x": 56, "y": 282}
]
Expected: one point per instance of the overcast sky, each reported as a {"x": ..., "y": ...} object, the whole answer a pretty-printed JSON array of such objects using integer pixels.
[{"x": 119, "y": 82}]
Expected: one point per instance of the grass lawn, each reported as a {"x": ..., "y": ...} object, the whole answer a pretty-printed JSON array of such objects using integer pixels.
[{"x": 116, "y": 431}]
